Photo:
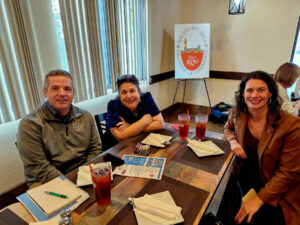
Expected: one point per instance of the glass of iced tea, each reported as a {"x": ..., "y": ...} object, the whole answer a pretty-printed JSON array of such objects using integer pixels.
[
  {"x": 101, "y": 178},
  {"x": 184, "y": 123},
  {"x": 200, "y": 125}
]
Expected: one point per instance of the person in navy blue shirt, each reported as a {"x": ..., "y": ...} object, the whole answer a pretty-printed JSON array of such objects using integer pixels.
[{"x": 132, "y": 112}]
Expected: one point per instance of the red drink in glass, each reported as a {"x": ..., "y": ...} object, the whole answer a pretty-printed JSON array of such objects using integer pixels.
[
  {"x": 184, "y": 123},
  {"x": 201, "y": 121},
  {"x": 200, "y": 130},
  {"x": 102, "y": 185},
  {"x": 184, "y": 129}
]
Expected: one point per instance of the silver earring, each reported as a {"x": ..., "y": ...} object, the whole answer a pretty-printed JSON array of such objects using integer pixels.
[{"x": 270, "y": 100}]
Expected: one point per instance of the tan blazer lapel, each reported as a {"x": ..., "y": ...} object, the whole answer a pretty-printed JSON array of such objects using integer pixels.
[
  {"x": 241, "y": 127},
  {"x": 265, "y": 140}
]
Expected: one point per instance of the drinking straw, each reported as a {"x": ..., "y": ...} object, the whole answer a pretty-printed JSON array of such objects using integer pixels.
[
  {"x": 188, "y": 113},
  {"x": 92, "y": 171},
  {"x": 206, "y": 117}
]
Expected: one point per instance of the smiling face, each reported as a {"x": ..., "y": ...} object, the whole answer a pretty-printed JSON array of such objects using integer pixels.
[
  {"x": 129, "y": 95},
  {"x": 60, "y": 93},
  {"x": 256, "y": 94}
]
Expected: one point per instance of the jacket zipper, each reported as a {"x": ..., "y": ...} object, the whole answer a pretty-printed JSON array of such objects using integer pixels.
[{"x": 67, "y": 130}]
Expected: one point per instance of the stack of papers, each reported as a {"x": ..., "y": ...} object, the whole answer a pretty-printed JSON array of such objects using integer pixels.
[
  {"x": 204, "y": 148},
  {"x": 158, "y": 208},
  {"x": 157, "y": 140},
  {"x": 44, "y": 206}
]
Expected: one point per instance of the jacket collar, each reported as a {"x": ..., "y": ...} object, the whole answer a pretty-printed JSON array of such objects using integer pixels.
[
  {"x": 50, "y": 114},
  {"x": 243, "y": 118}
]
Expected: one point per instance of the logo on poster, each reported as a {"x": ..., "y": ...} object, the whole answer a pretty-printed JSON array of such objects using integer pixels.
[{"x": 191, "y": 49}]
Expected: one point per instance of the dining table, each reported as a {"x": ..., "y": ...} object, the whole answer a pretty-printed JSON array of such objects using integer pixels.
[{"x": 192, "y": 181}]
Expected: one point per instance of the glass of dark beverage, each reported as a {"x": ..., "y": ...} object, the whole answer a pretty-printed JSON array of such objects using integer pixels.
[
  {"x": 184, "y": 123},
  {"x": 101, "y": 178},
  {"x": 200, "y": 126}
]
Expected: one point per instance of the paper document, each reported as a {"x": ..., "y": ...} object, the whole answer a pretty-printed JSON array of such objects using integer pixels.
[
  {"x": 204, "y": 148},
  {"x": 250, "y": 195},
  {"x": 141, "y": 166},
  {"x": 157, "y": 140}
]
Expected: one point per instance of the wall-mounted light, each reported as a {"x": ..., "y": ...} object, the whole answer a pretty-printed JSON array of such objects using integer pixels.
[{"x": 237, "y": 7}]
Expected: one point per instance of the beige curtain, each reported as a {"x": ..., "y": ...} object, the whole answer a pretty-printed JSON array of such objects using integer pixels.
[
  {"x": 127, "y": 42},
  {"x": 132, "y": 38},
  {"x": 82, "y": 33},
  {"x": 19, "y": 92},
  {"x": 112, "y": 18}
]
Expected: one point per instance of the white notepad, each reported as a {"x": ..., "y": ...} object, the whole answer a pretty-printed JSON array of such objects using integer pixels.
[{"x": 49, "y": 203}]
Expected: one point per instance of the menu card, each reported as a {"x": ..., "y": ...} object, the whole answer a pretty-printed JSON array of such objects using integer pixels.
[{"x": 141, "y": 166}]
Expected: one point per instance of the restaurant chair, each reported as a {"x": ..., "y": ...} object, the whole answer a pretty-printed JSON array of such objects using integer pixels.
[
  {"x": 106, "y": 137},
  {"x": 101, "y": 124}
]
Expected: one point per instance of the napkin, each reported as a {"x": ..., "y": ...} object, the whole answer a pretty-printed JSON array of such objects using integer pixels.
[
  {"x": 53, "y": 221},
  {"x": 157, "y": 140},
  {"x": 204, "y": 148},
  {"x": 159, "y": 209},
  {"x": 84, "y": 175}
]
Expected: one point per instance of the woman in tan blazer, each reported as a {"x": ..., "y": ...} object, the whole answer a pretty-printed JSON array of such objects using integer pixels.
[{"x": 266, "y": 141}]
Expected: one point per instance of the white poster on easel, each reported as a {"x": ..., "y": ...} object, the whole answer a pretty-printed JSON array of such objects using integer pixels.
[{"x": 192, "y": 47}]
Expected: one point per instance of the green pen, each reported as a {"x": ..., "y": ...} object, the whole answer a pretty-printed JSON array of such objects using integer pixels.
[{"x": 56, "y": 194}]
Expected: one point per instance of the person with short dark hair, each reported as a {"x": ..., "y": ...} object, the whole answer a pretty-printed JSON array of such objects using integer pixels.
[
  {"x": 266, "y": 141},
  {"x": 132, "y": 112},
  {"x": 285, "y": 76},
  {"x": 57, "y": 137}
]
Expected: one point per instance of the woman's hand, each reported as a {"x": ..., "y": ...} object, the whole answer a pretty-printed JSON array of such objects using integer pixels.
[
  {"x": 249, "y": 208},
  {"x": 123, "y": 124},
  {"x": 237, "y": 149},
  {"x": 297, "y": 105}
]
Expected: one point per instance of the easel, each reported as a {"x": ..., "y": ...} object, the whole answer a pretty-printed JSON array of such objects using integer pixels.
[{"x": 185, "y": 80}]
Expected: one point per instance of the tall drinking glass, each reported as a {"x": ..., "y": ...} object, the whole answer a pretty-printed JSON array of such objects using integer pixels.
[
  {"x": 184, "y": 123},
  {"x": 200, "y": 126},
  {"x": 101, "y": 178}
]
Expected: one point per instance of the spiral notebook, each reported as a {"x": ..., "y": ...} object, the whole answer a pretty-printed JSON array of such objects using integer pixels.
[{"x": 51, "y": 203}]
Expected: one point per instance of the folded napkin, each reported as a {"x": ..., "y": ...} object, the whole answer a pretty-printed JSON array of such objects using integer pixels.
[
  {"x": 157, "y": 140},
  {"x": 84, "y": 174},
  {"x": 158, "y": 208},
  {"x": 53, "y": 221},
  {"x": 204, "y": 148}
]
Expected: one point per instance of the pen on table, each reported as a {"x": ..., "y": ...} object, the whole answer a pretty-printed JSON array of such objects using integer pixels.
[{"x": 56, "y": 194}]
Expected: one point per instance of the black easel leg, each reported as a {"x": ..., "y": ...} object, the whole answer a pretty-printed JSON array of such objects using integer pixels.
[
  {"x": 183, "y": 95},
  {"x": 174, "y": 99},
  {"x": 207, "y": 94}
]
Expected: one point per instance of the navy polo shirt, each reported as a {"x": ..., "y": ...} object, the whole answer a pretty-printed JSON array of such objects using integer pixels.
[{"x": 115, "y": 109}]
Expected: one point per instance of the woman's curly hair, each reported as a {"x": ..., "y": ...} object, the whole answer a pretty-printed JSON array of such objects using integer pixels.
[{"x": 274, "y": 105}]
